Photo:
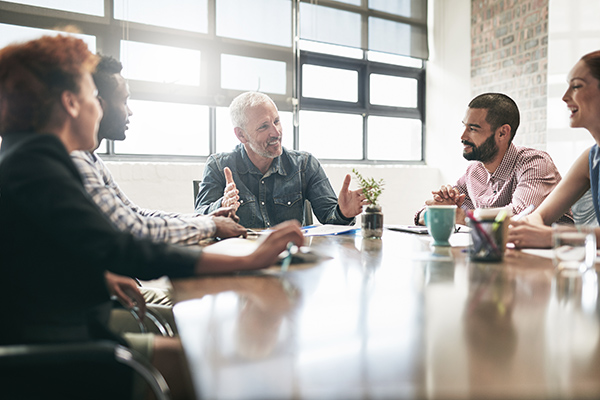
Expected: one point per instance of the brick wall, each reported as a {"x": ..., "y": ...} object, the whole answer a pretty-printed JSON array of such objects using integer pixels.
[{"x": 509, "y": 54}]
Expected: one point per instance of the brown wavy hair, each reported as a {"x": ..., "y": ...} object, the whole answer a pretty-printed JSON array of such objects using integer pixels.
[
  {"x": 592, "y": 60},
  {"x": 33, "y": 75}
]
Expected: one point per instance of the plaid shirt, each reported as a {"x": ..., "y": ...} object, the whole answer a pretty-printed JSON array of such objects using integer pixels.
[
  {"x": 158, "y": 226},
  {"x": 525, "y": 176}
]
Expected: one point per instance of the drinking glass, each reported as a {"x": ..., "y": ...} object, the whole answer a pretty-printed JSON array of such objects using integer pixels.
[{"x": 574, "y": 247}]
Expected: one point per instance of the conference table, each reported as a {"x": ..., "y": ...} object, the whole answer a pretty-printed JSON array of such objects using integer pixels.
[{"x": 393, "y": 318}]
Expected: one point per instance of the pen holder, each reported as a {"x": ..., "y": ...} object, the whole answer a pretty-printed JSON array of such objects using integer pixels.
[{"x": 488, "y": 239}]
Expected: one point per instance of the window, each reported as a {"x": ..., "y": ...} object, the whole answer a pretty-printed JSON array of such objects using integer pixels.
[
  {"x": 331, "y": 135},
  {"x": 264, "y": 21},
  {"x": 390, "y": 90},
  {"x": 247, "y": 73},
  {"x": 342, "y": 84},
  {"x": 15, "y": 33},
  {"x": 384, "y": 103},
  {"x": 189, "y": 15},
  {"x": 169, "y": 64},
  {"x": 166, "y": 128},
  {"x": 394, "y": 139},
  {"x": 362, "y": 94},
  {"x": 344, "y": 89},
  {"x": 91, "y": 7},
  {"x": 329, "y": 25}
]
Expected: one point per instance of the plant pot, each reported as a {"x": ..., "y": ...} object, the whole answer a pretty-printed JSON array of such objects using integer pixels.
[{"x": 372, "y": 222}]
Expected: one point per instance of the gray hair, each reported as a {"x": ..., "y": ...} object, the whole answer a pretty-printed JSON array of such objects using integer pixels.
[{"x": 239, "y": 105}]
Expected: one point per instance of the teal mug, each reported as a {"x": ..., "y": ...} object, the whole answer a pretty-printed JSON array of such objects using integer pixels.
[{"x": 440, "y": 223}]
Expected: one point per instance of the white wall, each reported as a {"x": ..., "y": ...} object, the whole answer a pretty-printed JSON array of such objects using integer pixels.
[
  {"x": 168, "y": 186},
  {"x": 448, "y": 85},
  {"x": 573, "y": 31}
]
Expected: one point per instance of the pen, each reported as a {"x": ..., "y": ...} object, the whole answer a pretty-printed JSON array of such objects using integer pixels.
[
  {"x": 288, "y": 259},
  {"x": 524, "y": 213},
  {"x": 499, "y": 219}
]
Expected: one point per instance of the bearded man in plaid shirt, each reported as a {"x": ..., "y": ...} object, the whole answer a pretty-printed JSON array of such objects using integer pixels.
[{"x": 502, "y": 174}]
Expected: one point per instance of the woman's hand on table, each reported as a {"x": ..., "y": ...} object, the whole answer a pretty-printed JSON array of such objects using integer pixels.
[
  {"x": 530, "y": 232},
  {"x": 268, "y": 251},
  {"x": 264, "y": 255}
]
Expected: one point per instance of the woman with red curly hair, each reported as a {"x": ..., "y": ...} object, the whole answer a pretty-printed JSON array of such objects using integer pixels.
[{"x": 56, "y": 248}]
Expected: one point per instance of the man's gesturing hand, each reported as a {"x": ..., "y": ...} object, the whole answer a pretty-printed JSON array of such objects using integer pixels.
[
  {"x": 230, "y": 193},
  {"x": 350, "y": 201}
]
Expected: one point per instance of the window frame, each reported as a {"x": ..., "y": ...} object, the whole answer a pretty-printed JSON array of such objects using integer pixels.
[
  {"x": 363, "y": 106},
  {"x": 109, "y": 32}
]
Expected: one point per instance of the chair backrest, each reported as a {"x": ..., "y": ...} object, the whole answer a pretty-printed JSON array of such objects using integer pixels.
[
  {"x": 583, "y": 210},
  {"x": 196, "y": 190},
  {"x": 308, "y": 214}
]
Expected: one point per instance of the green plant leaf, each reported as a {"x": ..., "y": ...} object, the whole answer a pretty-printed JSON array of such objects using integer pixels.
[{"x": 370, "y": 187}]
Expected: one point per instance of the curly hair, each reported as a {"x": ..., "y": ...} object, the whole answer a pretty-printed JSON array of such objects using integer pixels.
[
  {"x": 104, "y": 76},
  {"x": 33, "y": 75}
]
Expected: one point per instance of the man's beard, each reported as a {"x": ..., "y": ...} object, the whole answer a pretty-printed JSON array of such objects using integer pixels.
[
  {"x": 112, "y": 129},
  {"x": 486, "y": 152},
  {"x": 264, "y": 152}
]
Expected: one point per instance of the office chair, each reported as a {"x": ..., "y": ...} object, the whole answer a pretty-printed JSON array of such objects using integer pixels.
[
  {"x": 128, "y": 320},
  {"x": 583, "y": 210},
  {"x": 94, "y": 370},
  {"x": 196, "y": 190},
  {"x": 308, "y": 214}
]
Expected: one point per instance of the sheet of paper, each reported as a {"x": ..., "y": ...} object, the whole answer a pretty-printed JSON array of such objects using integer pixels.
[
  {"x": 320, "y": 230},
  {"x": 237, "y": 247},
  {"x": 242, "y": 247},
  {"x": 462, "y": 228},
  {"x": 460, "y": 239}
]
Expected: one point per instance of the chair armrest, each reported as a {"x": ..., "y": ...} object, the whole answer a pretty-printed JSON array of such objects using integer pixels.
[{"x": 16, "y": 360}]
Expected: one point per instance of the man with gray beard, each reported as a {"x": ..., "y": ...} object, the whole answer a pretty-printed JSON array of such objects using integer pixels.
[{"x": 267, "y": 183}]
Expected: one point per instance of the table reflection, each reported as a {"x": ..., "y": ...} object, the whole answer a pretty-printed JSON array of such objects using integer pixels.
[
  {"x": 393, "y": 318},
  {"x": 490, "y": 337}
]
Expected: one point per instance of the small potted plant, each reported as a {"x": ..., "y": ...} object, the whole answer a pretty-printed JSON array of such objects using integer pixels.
[{"x": 372, "y": 217}]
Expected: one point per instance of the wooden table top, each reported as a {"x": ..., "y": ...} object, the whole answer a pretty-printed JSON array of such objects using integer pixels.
[{"x": 393, "y": 318}]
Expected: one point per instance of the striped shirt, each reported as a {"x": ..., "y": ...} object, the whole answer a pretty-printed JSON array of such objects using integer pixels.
[
  {"x": 158, "y": 226},
  {"x": 525, "y": 176}
]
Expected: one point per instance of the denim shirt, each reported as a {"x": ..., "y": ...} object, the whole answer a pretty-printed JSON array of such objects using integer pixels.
[{"x": 278, "y": 195}]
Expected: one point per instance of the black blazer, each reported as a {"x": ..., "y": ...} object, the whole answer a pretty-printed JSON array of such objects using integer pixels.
[{"x": 55, "y": 245}]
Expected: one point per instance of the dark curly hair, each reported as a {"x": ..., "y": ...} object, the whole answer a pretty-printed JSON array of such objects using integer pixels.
[{"x": 104, "y": 77}]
